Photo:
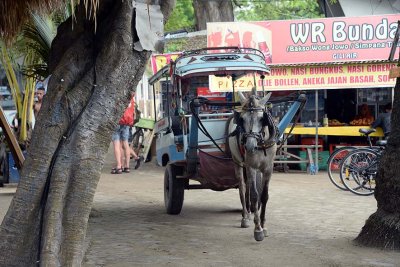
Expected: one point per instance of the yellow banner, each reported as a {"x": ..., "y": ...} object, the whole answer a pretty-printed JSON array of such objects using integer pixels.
[
  {"x": 312, "y": 77},
  {"x": 159, "y": 61}
]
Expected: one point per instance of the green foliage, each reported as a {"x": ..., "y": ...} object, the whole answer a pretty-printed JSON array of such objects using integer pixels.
[
  {"x": 250, "y": 10},
  {"x": 175, "y": 45},
  {"x": 36, "y": 37},
  {"x": 182, "y": 16},
  {"x": 277, "y": 10}
]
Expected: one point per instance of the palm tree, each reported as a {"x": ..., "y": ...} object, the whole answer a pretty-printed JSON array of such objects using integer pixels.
[
  {"x": 94, "y": 65},
  {"x": 36, "y": 38},
  {"x": 29, "y": 54}
]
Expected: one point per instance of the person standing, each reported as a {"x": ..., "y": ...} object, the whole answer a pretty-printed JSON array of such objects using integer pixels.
[
  {"x": 120, "y": 138},
  {"x": 383, "y": 120},
  {"x": 39, "y": 94}
]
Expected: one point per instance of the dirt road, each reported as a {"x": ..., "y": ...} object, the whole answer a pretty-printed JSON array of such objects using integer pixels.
[{"x": 310, "y": 223}]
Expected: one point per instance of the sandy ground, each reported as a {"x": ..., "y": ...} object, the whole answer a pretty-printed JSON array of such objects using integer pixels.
[{"x": 310, "y": 223}]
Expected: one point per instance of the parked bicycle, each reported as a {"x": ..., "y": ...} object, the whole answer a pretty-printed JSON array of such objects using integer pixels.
[
  {"x": 137, "y": 141},
  {"x": 335, "y": 159},
  {"x": 139, "y": 138},
  {"x": 359, "y": 168}
]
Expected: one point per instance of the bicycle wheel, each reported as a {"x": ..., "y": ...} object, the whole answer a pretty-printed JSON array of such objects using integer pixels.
[
  {"x": 358, "y": 171},
  {"x": 137, "y": 141},
  {"x": 334, "y": 162}
]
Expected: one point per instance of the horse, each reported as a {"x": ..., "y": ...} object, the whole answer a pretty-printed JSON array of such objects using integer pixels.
[{"x": 252, "y": 145}]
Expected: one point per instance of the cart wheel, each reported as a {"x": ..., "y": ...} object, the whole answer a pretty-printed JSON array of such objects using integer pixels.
[{"x": 173, "y": 190}]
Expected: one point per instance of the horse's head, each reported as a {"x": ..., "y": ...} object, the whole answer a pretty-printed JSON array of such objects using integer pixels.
[{"x": 257, "y": 126}]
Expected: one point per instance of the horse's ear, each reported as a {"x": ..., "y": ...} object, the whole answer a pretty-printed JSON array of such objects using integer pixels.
[
  {"x": 242, "y": 98},
  {"x": 265, "y": 99}
]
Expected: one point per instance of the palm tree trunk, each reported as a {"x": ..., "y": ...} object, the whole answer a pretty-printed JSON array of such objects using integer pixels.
[
  {"x": 382, "y": 229},
  {"x": 93, "y": 73}
]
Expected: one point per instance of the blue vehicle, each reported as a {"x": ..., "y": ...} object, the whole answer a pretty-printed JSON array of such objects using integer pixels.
[{"x": 191, "y": 135}]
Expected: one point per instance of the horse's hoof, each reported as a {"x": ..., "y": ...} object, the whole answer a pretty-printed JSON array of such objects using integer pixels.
[
  {"x": 259, "y": 235},
  {"x": 245, "y": 223},
  {"x": 265, "y": 232}
]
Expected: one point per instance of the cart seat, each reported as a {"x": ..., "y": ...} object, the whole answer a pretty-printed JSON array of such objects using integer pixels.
[{"x": 367, "y": 131}]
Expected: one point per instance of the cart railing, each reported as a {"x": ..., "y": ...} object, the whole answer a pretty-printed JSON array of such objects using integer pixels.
[{"x": 226, "y": 49}]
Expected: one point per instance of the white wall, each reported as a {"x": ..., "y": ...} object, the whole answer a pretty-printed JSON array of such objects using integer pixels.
[
  {"x": 353, "y": 8},
  {"x": 144, "y": 98}
]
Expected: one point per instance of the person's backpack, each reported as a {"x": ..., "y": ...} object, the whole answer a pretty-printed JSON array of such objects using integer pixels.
[{"x": 128, "y": 116}]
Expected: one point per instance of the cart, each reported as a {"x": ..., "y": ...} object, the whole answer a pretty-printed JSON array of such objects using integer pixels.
[{"x": 191, "y": 136}]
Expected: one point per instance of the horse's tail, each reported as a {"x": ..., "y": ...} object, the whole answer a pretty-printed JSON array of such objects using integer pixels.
[{"x": 255, "y": 191}]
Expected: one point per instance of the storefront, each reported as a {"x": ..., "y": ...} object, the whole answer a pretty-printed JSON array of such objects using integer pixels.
[{"x": 340, "y": 62}]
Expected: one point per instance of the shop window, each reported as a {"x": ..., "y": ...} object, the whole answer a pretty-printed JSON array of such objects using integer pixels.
[
  {"x": 341, "y": 104},
  {"x": 310, "y": 108},
  {"x": 375, "y": 98}
]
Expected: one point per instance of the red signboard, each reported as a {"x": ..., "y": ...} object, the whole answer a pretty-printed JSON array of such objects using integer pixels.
[
  {"x": 205, "y": 92},
  {"x": 341, "y": 39}
]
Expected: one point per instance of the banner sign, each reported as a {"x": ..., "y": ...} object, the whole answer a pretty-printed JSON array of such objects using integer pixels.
[
  {"x": 324, "y": 40},
  {"x": 160, "y": 60},
  {"x": 312, "y": 77},
  {"x": 205, "y": 92}
]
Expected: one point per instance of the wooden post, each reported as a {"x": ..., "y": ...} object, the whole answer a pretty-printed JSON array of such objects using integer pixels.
[{"x": 11, "y": 140}]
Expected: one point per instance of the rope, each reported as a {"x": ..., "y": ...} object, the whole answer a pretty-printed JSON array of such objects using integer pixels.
[
  {"x": 202, "y": 127},
  {"x": 236, "y": 132}
]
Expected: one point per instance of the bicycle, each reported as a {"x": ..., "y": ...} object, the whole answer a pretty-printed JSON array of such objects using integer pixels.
[
  {"x": 141, "y": 139},
  {"x": 137, "y": 141},
  {"x": 359, "y": 168},
  {"x": 335, "y": 159}
]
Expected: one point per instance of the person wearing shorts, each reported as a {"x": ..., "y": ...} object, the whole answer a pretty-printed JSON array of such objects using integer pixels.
[{"x": 122, "y": 151}]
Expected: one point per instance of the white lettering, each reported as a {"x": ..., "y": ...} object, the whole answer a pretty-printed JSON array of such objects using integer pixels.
[
  {"x": 354, "y": 33},
  {"x": 367, "y": 32},
  {"x": 317, "y": 32},
  {"x": 338, "y": 32},
  {"x": 381, "y": 31},
  {"x": 299, "y": 33},
  {"x": 393, "y": 28},
  {"x": 320, "y": 47}
]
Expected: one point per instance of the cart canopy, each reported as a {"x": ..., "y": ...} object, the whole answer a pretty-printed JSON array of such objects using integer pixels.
[
  {"x": 233, "y": 61},
  {"x": 220, "y": 61}
]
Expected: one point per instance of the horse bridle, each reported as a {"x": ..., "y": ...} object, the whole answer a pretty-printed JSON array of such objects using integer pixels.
[{"x": 267, "y": 121}]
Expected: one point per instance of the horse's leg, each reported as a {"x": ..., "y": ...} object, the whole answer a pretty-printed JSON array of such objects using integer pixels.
[
  {"x": 264, "y": 199},
  {"x": 245, "y": 223},
  {"x": 254, "y": 199}
]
